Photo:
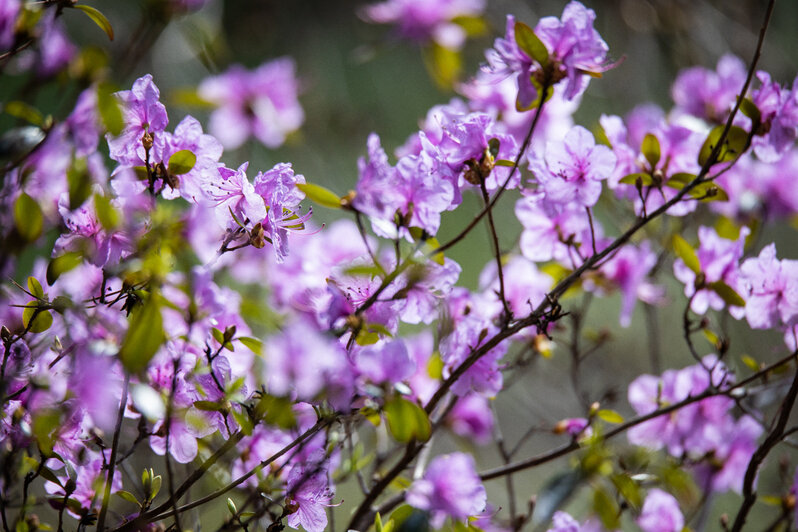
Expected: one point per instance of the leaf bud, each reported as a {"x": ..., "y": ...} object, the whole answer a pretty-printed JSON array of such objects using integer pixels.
[{"x": 147, "y": 140}]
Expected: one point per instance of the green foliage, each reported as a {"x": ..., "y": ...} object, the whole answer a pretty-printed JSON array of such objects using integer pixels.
[
  {"x": 406, "y": 420},
  {"x": 28, "y": 217},
  {"x": 320, "y": 195},
  {"x": 144, "y": 336}
]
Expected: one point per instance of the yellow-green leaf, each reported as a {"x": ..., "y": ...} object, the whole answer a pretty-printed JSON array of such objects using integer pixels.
[
  {"x": 62, "y": 264},
  {"x": 98, "y": 18},
  {"x": 24, "y": 111},
  {"x": 320, "y": 195},
  {"x": 28, "y": 217},
  {"x": 181, "y": 162},
  {"x": 35, "y": 288},
  {"x": 727, "y": 294},
  {"x": 650, "y": 149},
  {"x": 686, "y": 252},
  {"x": 530, "y": 43},
  {"x": 735, "y": 143},
  {"x": 108, "y": 107},
  {"x": 144, "y": 336},
  {"x": 406, "y": 420},
  {"x": 610, "y": 416},
  {"x": 41, "y": 319}
]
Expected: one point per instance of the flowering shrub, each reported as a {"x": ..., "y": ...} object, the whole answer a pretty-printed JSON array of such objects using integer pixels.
[{"x": 135, "y": 255}]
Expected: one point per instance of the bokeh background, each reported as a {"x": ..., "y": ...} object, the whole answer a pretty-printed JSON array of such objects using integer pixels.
[{"x": 356, "y": 79}]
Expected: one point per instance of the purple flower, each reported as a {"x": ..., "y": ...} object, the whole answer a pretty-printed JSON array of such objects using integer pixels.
[
  {"x": 85, "y": 233},
  {"x": 261, "y": 103},
  {"x": 708, "y": 94},
  {"x": 575, "y": 50},
  {"x": 412, "y": 194},
  {"x": 547, "y": 228},
  {"x": 386, "y": 361},
  {"x": 771, "y": 289},
  {"x": 234, "y": 193},
  {"x": 88, "y": 478},
  {"x": 188, "y": 135},
  {"x": 472, "y": 418},
  {"x": 309, "y": 491},
  {"x": 424, "y": 20},
  {"x": 718, "y": 258},
  {"x": 628, "y": 270},
  {"x": 484, "y": 376},
  {"x": 84, "y": 123},
  {"x": 572, "y": 171},
  {"x": 450, "y": 488},
  {"x": 524, "y": 285},
  {"x": 55, "y": 49},
  {"x": 143, "y": 113},
  {"x": 779, "y": 114},
  {"x": 660, "y": 513},
  {"x": 278, "y": 189},
  {"x": 304, "y": 361},
  {"x": 697, "y": 428},
  {"x": 9, "y": 10}
]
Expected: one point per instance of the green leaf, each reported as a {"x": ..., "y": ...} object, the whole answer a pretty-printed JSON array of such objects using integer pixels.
[
  {"x": 443, "y": 64},
  {"x": 539, "y": 100},
  {"x": 42, "y": 319},
  {"x": 606, "y": 508},
  {"x": 108, "y": 106},
  {"x": 231, "y": 506},
  {"x": 504, "y": 162},
  {"x": 407, "y": 421},
  {"x": 727, "y": 294},
  {"x": 24, "y": 111},
  {"x": 49, "y": 475},
  {"x": 35, "y": 288},
  {"x": 62, "y": 264},
  {"x": 44, "y": 426},
  {"x": 365, "y": 337},
  {"x": 144, "y": 336},
  {"x": 98, "y": 18},
  {"x": 727, "y": 228},
  {"x": 750, "y": 362},
  {"x": 473, "y": 26},
  {"x": 735, "y": 143},
  {"x": 181, "y": 162},
  {"x": 530, "y": 43},
  {"x": 253, "y": 344},
  {"x": 209, "y": 406},
  {"x": 107, "y": 214},
  {"x": 276, "y": 411},
  {"x": 610, "y": 416},
  {"x": 363, "y": 270},
  {"x": 79, "y": 183},
  {"x": 28, "y": 217},
  {"x": 749, "y": 109},
  {"x": 645, "y": 179},
  {"x": 628, "y": 489},
  {"x": 705, "y": 191},
  {"x": 320, "y": 195},
  {"x": 686, "y": 252},
  {"x": 156, "y": 486},
  {"x": 129, "y": 497},
  {"x": 650, "y": 149}
]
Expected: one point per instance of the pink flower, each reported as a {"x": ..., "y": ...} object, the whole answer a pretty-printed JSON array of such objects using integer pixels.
[
  {"x": 571, "y": 171},
  {"x": 660, "y": 513},
  {"x": 450, "y": 488},
  {"x": 262, "y": 103}
]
